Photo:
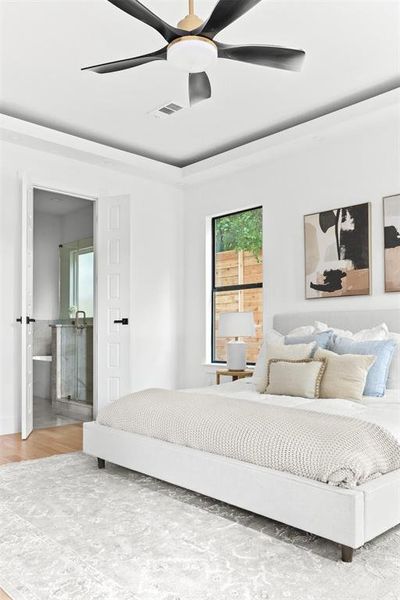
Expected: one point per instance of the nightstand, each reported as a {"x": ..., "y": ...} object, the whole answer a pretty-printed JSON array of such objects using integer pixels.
[{"x": 234, "y": 374}]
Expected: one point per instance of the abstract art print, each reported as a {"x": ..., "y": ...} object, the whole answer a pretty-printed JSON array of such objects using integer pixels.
[
  {"x": 391, "y": 221},
  {"x": 337, "y": 252}
]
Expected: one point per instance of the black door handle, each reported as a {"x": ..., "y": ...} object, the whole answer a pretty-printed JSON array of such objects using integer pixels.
[
  {"x": 27, "y": 320},
  {"x": 123, "y": 321}
]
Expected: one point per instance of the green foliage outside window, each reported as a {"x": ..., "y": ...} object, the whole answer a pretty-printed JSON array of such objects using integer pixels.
[{"x": 241, "y": 231}]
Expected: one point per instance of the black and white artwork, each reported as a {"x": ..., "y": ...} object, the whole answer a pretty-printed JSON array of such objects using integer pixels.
[
  {"x": 391, "y": 220},
  {"x": 337, "y": 252}
]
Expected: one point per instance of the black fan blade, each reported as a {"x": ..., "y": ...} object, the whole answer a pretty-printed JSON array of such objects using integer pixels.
[
  {"x": 199, "y": 87},
  {"x": 225, "y": 13},
  {"x": 137, "y": 10},
  {"x": 276, "y": 57},
  {"x": 128, "y": 63}
]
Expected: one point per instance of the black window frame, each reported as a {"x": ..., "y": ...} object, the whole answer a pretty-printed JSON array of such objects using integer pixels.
[{"x": 225, "y": 288}]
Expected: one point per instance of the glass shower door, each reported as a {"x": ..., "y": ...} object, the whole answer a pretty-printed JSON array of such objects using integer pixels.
[
  {"x": 84, "y": 363},
  {"x": 76, "y": 294}
]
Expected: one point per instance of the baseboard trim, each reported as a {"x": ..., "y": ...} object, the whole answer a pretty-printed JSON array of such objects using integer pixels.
[{"x": 9, "y": 425}]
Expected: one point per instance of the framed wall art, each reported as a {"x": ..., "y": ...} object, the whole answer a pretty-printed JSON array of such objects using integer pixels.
[
  {"x": 337, "y": 252},
  {"x": 391, "y": 223}
]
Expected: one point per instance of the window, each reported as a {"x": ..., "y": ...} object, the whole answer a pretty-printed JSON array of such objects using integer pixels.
[
  {"x": 76, "y": 278},
  {"x": 84, "y": 291},
  {"x": 237, "y": 275}
]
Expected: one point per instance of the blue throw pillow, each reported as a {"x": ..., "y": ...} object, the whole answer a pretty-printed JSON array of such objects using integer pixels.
[
  {"x": 379, "y": 371},
  {"x": 322, "y": 339}
]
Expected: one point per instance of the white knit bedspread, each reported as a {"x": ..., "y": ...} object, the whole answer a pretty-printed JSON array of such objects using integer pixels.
[{"x": 335, "y": 449}]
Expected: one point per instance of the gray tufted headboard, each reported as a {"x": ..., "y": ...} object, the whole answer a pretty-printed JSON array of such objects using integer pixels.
[{"x": 344, "y": 319}]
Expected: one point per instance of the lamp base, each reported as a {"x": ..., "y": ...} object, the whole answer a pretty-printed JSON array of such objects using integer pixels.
[{"x": 236, "y": 356}]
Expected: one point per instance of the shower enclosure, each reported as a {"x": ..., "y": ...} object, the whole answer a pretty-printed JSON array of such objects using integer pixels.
[
  {"x": 72, "y": 366},
  {"x": 72, "y": 335}
]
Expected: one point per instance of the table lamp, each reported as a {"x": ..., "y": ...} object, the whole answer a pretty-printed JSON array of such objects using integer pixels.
[{"x": 235, "y": 325}]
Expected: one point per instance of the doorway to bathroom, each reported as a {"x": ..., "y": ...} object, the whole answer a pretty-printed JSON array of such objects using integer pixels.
[
  {"x": 78, "y": 341},
  {"x": 62, "y": 308}
]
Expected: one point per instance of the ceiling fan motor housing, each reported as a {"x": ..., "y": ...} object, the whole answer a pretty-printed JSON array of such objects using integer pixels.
[
  {"x": 190, "y": 22},
  {"x": 192, "y": 53}
]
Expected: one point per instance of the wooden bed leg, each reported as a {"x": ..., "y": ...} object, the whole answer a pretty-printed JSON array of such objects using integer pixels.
[
  {"x": 347, "y": 554},
  {"x": 101, "y": 463}
]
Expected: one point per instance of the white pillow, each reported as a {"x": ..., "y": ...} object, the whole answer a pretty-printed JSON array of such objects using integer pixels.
[
  {"x": 274, "y": 337},
  {"x": 301, "y": 378},
  {"x": 393, "y": 382},
  {"x": 302, "y": 331},
  {"x": 380, "y": 332},
  {"x": 271, "y": 337},
  {"x": 293, "y": 352}
]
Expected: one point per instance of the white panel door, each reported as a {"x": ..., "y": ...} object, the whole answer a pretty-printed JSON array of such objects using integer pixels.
[
  {"x": 27, "y": 311},
  {"x": 112, "y": 252}
]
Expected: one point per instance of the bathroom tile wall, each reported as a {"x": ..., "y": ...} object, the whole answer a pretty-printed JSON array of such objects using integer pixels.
[
  {"x": 42, "y": 338},
  {"x": 41, "y": 370}
]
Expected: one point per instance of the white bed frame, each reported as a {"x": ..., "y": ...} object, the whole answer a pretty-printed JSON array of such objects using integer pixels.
[{"x": 348, "y": 517}]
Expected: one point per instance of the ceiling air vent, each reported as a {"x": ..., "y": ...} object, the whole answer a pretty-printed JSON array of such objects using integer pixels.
[{"x": 166, "y": 111}]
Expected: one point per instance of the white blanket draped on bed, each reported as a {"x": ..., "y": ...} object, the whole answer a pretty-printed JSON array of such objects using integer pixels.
[{"x": 335, "y": 449}]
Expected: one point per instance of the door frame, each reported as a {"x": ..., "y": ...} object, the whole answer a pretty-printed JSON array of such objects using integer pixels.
[{"x": 28, "y": 184}]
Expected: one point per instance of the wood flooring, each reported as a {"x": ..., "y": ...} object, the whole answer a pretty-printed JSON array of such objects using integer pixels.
[{"x": 41, "y": 443}]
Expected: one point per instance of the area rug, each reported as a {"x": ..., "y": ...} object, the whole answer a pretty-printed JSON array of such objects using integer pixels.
[{"x": 69, "y": 531}]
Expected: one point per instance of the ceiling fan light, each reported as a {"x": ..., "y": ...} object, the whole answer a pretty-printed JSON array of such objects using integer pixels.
[{"x": 192, "y": 54}]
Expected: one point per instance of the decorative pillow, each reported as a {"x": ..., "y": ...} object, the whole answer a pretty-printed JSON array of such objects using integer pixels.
[
  {"x": 380, "y": 332},
  {"x": 345, "y": 375},
  {"x": 321, "y": 339},
  {"x": 302, "y": 331},
  {"x": 393, "y": 382},
  {"x": 379, "y": 372},
  {"x": 272, "y": 337},
  {"x": 295, "y": 352},
  {"x": 295, "y": 377}
]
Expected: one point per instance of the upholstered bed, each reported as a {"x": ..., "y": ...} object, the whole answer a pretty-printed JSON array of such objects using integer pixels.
[{"x": 347, "y": 514}]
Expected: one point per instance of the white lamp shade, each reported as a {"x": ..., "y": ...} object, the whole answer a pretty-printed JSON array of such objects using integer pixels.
[{"x": 236, "y": 324}]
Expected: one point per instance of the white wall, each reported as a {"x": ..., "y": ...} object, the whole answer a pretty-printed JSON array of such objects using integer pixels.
[
  {"x": 50, "y": 231},
  {"x": 353, "y": 162},
  {"x": 77, "y": 225},
  {"x": 46, "y": 238},
  {"x": 157, "y": 294},
  {"x": 155, "y": 247}
]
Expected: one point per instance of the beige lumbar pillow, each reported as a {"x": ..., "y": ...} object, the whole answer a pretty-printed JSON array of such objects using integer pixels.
[
  {"x": 295, "y": 377},
  {"x": 345, "y": 374},
  {"x": 290, "y": 352}
]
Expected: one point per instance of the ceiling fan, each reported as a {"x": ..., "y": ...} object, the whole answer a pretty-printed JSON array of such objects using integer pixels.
[{"x": 192, "y": 48}]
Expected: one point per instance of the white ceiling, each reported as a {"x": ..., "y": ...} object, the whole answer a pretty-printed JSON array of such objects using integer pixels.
[
  {"x": 56, "y": 204},
  {"x": 353, "y": 50}
]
